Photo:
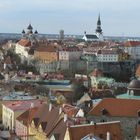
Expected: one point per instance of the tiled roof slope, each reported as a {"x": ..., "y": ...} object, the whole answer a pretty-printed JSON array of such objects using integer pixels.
[
  {"x": 25, "y": 43},
  {"x": 117, "y": 107},
  {"x": 132, "y": 43},
  {"x": 100, "y": 130}
]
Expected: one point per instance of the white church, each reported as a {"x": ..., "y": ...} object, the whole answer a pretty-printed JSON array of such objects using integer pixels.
[{"x": 98, "y": 36}]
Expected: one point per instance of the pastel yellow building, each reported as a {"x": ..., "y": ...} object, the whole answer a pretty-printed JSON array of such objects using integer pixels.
[{"x": 46, "y": 53}]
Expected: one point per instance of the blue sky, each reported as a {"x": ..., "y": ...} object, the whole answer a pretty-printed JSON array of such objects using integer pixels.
[{"x": 119, "y": 17}]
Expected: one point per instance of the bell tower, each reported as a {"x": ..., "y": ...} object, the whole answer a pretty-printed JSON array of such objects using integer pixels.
[{"x": 99, "y": 32}]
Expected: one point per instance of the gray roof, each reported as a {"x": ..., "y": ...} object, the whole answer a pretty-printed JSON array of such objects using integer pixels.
[{"x": 90, "y": 36}]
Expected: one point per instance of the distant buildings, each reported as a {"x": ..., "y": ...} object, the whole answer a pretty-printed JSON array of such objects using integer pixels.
[
  {"x": 30, "y": 35},
  {"x": 61, "y": 34}
]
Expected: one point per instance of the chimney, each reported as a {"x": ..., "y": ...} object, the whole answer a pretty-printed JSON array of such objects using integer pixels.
[
  {"x": 91, "y": 122},
  {"x": 32, "y": 105},
  {"x": 60, "y": 110},
  {"x": 65, "y": 117},
  {"x": 50, "y": 107},
  {"x": 108, "y": 136}
]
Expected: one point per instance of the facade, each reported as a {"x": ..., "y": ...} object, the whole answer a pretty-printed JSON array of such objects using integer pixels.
[
  {"x": 69, "y": 53},
  {"x": 108, "y": 56},
  {"x": 46, "y": 53},
  {"x": 11, "y": 110},
  {"x": 133, "y": 49},
  {"x": 22, "y": 48},
  {"x": 124, "y": 110}
]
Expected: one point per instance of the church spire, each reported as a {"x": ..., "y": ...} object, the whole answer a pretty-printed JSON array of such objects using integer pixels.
[{"x": 98, "y": 29}]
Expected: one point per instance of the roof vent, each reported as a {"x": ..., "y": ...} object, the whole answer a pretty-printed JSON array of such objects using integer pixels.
[{"x": 50, "y": 107}]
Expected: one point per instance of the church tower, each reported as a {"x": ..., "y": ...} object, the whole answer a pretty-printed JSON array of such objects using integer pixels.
[
  {"x": 99, "y": 32},
  {"x": 30, "y": 29}
]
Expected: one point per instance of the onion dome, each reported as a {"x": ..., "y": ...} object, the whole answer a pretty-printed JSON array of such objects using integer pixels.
[
  {"x": 134, "y": 84},
  {"x": 36, "y": 32},
  {"x": 23, "y": 32},
  {"x": 30, "y": 27}
]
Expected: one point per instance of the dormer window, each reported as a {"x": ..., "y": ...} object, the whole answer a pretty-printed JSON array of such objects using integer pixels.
[
  {"x": 104, "y": 111},
  {"x": 138, "y": 113}
]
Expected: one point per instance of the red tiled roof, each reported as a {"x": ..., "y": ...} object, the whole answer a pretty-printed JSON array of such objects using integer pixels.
[
  {"x": 100, "y": 130},
  {"x": 25, "y": 43},
  {"x": 132, "y": 43},
  {"x": 49, "y": 118},
  {"x": 27, "y": 116},
  {"x": 107, "y": 51},
  {"x": 22, "y": 105},
  {"x": 48, "y": 48},
  {"x": 60, "y": 129},
  {"x": 117, "y": 107},
  {"x": 70, "y": 110}
]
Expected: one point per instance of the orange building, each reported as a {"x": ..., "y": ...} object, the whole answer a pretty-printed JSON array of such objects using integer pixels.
[{"x": 46, "y": 53}]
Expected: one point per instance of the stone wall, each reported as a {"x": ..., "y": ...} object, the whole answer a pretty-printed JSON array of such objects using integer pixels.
[{"x": 128, "y": 124}]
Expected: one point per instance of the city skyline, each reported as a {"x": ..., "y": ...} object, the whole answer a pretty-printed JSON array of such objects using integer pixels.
[{"x": 118, "y": 17}]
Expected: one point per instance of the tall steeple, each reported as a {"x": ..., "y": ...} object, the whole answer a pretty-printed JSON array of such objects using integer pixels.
[
  {"x": 99, "y": 29},
  {"x": 99, "y": 32}
]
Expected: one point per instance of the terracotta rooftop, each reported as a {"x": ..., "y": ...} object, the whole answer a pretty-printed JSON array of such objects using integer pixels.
[
  {"x": 100, "y": 130},
  {"x": 117, "y": 107},
  {"x": 23, "y": 105},
  {"x": 107, "y": 51},
  {"x": 46, "y": 48},
  {"x": 70, "y": 110},
  {"x": 25, "y": 43},
  {"x": 132, "y": 43},
  {"x": 60, "y": 128},
  {"x": 46, "y": 116},
  {"x": 27, "y": 116}
]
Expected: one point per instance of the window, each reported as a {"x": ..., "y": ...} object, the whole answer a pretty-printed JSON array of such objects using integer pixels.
[{"x": 138, "y": 113}]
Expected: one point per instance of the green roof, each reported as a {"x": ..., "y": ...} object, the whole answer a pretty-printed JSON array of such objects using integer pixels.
[{"x": 126, "y": 96}]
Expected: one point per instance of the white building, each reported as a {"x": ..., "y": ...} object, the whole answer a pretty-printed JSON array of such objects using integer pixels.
[
  {"x": 107, "y": 56},
  {"x": 70, "y": 53},
  {"x": 133, "y": 49},
  {"x": 22, "y": 47},
  {"x": 98, "y": 36},
  {"x": 90, "y": 37}
]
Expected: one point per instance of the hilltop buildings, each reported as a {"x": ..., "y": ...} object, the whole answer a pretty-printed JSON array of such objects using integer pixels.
[{"x": 98, "y": 36}]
